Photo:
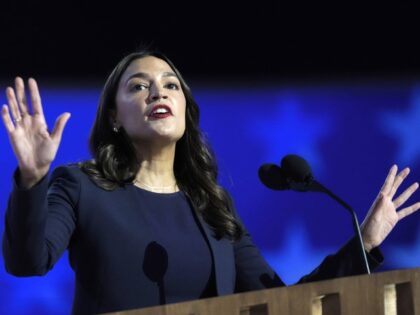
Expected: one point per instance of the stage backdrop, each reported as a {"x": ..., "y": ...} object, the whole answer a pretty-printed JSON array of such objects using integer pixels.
[{"x": 351, "y": 134}]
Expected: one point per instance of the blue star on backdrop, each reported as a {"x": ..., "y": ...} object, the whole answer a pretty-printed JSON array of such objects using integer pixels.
[
  {"x": 404, "y": 126},
  {"x": 289, "y": 129},
  {"x": 296, "y": 244}
]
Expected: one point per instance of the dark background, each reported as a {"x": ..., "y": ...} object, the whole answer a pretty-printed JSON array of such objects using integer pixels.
[{"x": 211, "y": 40}]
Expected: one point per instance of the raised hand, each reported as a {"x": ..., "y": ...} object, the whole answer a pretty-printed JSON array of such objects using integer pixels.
[
  {"x": 384, "y": 214},
  {"x": 34, "y": 146}
]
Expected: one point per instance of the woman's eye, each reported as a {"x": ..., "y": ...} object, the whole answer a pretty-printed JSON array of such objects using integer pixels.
[
  {"x": 139, "y": 87},
  {"x": 172, "y": 86}
]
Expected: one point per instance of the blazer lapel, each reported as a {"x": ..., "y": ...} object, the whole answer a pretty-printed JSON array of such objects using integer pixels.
[{"x": 223, "y": 258}]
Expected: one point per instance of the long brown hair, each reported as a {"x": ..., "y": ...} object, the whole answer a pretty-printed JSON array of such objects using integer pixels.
[{"x": 115, "y": 163}]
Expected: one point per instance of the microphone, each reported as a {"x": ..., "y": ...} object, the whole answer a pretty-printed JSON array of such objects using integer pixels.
[{"x": 295, "y": 173}]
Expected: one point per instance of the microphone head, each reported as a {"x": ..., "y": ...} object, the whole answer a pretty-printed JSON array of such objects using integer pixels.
[
  {"x": 294, "y": 173},
  {"x": 298, "y": 172},
  {"x": 296, "y": 168},
  {"x": 273, "y": 177}
]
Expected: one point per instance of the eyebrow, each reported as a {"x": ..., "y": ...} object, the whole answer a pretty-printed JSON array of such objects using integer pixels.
[{"x": 143, "y": 75}]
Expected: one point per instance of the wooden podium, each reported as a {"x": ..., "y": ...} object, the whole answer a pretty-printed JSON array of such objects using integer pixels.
[{"x": 389, "y": 293}]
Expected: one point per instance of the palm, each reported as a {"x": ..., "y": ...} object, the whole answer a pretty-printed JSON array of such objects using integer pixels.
[
  {"x": 383, "y": 215},
  {"x": 34, "y": 147},
  {"x": 32, "y": 143}
]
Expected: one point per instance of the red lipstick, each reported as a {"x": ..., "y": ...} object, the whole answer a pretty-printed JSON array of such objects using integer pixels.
[{"x": 160, "y": 111}]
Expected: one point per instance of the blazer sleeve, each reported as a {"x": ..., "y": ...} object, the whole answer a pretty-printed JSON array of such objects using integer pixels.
[
  {"x": 254, "y": 273},
  {"x": 39, "y": 223},
  {"x": 252, "y": 270},
  {"x": 347, "y": 261}
]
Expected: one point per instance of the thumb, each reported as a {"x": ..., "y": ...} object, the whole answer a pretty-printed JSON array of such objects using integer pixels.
[{"x": 59, "y": 125}]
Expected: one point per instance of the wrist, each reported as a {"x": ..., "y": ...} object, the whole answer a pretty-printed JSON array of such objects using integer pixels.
[
  {"x": 368, "y": 247},
  {"x": 27, "y": 179}
]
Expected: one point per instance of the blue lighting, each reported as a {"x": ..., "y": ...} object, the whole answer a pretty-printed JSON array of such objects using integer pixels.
[{"x": 351, "y": 135}]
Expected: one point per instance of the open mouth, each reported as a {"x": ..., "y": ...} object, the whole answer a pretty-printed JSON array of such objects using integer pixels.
[{"x": 160, "y": 111}]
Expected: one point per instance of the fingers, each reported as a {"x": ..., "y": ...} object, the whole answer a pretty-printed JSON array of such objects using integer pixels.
[
  {"x": 59, "y": 125},
  {"x": 18, "y": 104},
  {"x": 387, "y": 186},
  {"x": 21, "y": 96},
  {"x": 5, "y": 115},
  {"x": 393, "y": 181},
  {"x": 409, "y": 210},
  {"x": 398, "y": 180},
  {"x": 35, "y": 97},
  {"x": 405, "y": 195},
  {"x": 13, "y": 104}
]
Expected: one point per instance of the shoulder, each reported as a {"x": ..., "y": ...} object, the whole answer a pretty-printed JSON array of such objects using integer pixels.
[
  {"x": 78, "y": 174},
  {"x": 70, "y": 175},
  {"x": 70, "y": 182},
  {"x": 70, "y": 171}
]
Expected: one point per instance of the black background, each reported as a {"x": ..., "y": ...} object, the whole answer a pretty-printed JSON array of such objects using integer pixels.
[{"x": 211, "y": 41}]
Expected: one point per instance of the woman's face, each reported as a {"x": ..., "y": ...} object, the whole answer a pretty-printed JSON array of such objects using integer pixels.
[{"x": 150, "y": 102}]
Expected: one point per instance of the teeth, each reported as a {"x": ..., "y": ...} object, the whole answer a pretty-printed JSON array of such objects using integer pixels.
[{"x": 160, "y": 111}]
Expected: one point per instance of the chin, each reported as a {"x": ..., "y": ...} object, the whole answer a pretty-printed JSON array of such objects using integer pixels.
[
  {"x": 169, "y": 133},
  {"x": 167, "y": 136}
]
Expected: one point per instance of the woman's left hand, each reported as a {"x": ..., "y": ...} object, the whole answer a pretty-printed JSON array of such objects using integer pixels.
[{"x": 384, "y": 214}]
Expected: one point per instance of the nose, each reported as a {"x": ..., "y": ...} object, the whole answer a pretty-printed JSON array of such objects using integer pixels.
[{"x": 157, "y": 92}]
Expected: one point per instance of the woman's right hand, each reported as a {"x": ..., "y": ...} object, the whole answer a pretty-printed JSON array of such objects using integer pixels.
[{"x": 34, "y": 146}]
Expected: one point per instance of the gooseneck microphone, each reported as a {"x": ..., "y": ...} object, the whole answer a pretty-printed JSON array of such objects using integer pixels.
[{"x": 294, "y": 173}]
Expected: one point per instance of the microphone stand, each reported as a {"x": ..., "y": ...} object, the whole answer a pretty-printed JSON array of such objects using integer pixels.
[{"x": 316, "y": 186}]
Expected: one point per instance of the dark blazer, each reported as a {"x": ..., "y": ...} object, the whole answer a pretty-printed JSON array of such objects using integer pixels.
[{"x": 107, "y": 236}]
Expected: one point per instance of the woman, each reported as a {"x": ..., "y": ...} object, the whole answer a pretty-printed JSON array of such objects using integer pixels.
[{"x": 144, "y": 221}]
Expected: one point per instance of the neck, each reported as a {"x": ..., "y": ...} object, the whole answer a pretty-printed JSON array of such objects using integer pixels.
[
  {"x": 156, "y": 171},
  {"x": 158, "y": 189}
]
